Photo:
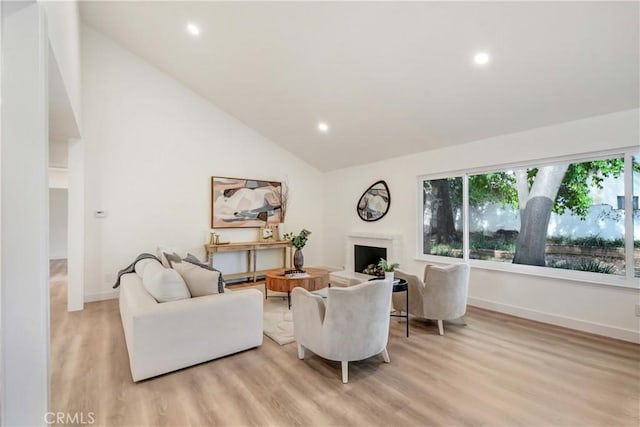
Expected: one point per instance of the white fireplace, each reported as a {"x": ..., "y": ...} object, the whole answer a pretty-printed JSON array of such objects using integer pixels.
[{"x": 348, "y": 277}]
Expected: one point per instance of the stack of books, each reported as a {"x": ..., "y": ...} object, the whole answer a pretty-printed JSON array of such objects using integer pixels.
[{"x": 296, "y": 274}]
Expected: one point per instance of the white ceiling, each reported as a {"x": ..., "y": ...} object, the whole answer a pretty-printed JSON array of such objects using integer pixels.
[{"x": 389, "y": 78}]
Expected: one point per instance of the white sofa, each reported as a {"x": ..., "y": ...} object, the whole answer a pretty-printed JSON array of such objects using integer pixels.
[{"x": 164, "y": 337}]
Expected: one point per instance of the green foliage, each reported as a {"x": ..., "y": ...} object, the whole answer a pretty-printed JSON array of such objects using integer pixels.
[
  {"x": 386, "y": 267},
  {"x": 585, "y": 264},
  {"x": 593, "y": 241},
  {"x": 496, "y": 187},
  {"x": 573, "y": 195},
  {"x": 455, "y": 189},
  {"x": 574, "y": 190},
  {"x": 484, "y": 242},
  {"x": 450, "y": 245},
  {"x": 449, "y": 250},
  {"x": 298, "y": 240}
]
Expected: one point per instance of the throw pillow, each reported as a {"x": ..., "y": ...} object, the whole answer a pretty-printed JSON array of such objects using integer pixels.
[
  {"x": 161, "y": 250},
  {"x": 164, "y": 284},
  {"x": 194, "y": 260},
  {"x": 200, "y": 281},
  {"x": 172, "y": 258}
]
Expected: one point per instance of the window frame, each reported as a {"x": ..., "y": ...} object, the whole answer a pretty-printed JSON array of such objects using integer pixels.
[{"x": 626, "y": 281}]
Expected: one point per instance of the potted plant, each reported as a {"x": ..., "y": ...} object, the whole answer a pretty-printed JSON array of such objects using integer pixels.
[
  {"x": 388, "y": 268},
  {"x": 299, "y": 241}
]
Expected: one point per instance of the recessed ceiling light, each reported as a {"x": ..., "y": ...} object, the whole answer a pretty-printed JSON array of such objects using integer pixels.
[
  {"x": 323, "y": 127},
  {"x": 193, "y": 29},
  {"x": 481, "y": 58}
]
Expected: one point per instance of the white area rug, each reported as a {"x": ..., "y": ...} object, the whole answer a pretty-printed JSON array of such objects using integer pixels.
[{"x": 278, "y": 320}]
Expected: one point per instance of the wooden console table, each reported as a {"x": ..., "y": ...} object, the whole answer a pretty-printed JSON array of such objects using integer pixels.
[{"x": 251, "y": 248}]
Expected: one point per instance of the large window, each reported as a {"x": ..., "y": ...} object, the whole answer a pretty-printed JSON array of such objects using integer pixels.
[
  {"x": 442, "y": 214},
  {"x": 563, "y": 215}
]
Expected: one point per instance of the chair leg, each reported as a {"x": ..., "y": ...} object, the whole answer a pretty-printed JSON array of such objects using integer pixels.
[
  {"x": 385, "y": 356},
  {"x": 440, "y": 327},
  {"x": 300, "y": 351},
  {"x": 345, "y": 372}
]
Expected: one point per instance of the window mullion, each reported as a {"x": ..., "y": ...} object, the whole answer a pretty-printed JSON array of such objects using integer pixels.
[
  {"x": 465, "y": 217},
  {"x": 628, "y": 216}
]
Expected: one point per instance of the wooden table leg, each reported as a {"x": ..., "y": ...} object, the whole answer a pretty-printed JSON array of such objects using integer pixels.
[
  {"x": 248, "y": 269},
  {"x": 255, "y": 266}
]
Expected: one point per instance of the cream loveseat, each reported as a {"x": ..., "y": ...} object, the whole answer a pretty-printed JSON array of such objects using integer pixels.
[{"x": 164, "y": 337}]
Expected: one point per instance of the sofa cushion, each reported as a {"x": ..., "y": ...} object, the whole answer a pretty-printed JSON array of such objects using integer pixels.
[
  {"x": 200, "y": 281},
  {"x": 194, "y": 260},
  {"x": 164, "y": 284}
]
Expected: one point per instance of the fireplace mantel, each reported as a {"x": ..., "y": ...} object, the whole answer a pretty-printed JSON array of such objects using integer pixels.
[{"x": 391, "y": 242}]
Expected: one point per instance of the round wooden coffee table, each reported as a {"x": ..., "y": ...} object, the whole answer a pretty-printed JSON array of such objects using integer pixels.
[{"x": 276, "y": 281}]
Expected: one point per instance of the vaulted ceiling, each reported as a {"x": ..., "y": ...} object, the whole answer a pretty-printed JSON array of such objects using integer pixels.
[{"x": 389, "y": 78}]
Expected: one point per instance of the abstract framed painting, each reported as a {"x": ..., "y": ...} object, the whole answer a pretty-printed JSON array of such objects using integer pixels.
[{"x": 242, "y": 203}]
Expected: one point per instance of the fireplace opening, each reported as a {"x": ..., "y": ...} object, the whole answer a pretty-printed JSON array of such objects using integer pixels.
[{"x": 367, "y": 258}]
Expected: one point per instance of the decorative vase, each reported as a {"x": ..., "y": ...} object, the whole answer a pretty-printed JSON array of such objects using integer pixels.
[
  {"x": 298, "y": 259},
  {"x": 389, "y": 275}
]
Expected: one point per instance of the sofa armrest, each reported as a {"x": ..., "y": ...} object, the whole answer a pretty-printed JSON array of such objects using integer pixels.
[{"x": 308, "y": 315}]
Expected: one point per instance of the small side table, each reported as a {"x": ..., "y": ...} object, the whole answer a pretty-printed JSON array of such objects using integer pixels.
[{"x": 401, "y": 285}]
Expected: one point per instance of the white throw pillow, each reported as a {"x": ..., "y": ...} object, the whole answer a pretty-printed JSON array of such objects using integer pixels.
[
  {"x": 164, "y": 284},
  {"x": 200, "y": 281},
  {"x": 142, "y": 264}
]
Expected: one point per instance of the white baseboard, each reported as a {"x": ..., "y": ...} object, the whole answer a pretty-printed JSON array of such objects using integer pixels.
[
  {"x": 101, "y": 296},
  {"x": 554, "y": 319},
  {"x": 57, "y": 257}
]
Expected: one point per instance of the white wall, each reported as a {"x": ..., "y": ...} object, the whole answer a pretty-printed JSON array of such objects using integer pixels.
[
  {"x": 597, "y": 308},
  {"x": 58, "y": 178},
  {"x": 58, "y": 223},
  {"x": 152, "y": 146},
  {"x": 63, "y": 26},
  {"x": 58, "y": 153},
  {"x": 75, "y": 224},
  {"x": 24, "y": 369}
]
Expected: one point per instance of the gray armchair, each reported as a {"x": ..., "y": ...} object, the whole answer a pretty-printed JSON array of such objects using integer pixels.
[
  {"x": 442, "y": 295},
  {"x": 352, "y": 325}
]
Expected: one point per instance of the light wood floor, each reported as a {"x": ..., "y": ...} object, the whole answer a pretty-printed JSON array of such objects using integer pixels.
[{"x": 496, "y": 371}]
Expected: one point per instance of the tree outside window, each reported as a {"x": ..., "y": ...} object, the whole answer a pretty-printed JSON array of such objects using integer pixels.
[{"x": 561, "y": 215}]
